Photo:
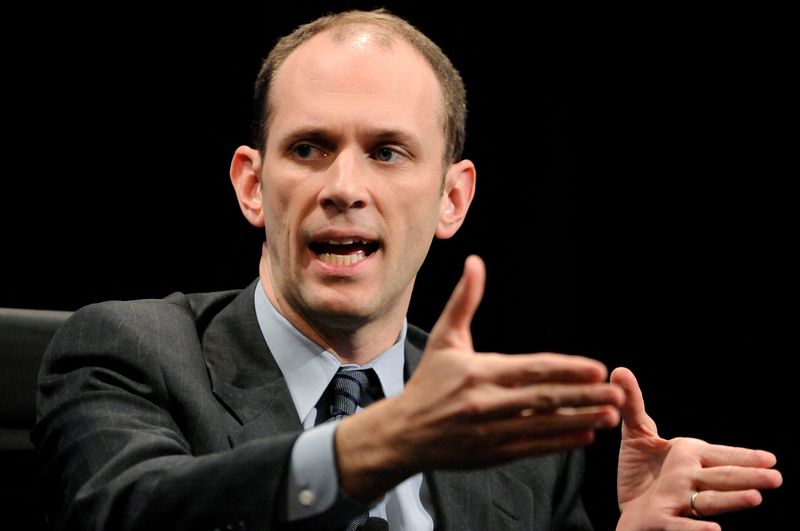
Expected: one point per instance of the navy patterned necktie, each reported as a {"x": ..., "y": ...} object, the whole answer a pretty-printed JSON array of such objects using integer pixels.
[{"x": 349, "y": 388}]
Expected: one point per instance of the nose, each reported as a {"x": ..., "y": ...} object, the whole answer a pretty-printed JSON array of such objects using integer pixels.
[{"x": 345, "y": 183}]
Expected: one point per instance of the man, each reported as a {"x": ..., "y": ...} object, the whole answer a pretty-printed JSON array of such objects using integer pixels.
[{"x": 211, "y": 410}]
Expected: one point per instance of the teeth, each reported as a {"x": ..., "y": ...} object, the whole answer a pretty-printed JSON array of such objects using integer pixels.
[
  {"x": 346, "y": 241},
  {"x": 342, "y": 259}
]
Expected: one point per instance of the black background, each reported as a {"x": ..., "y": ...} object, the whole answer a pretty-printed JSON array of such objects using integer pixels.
[{"x": 634, "y": 195}]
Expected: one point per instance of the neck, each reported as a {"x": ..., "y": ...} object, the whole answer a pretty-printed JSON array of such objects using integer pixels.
[{"x": 356, "y": 341}]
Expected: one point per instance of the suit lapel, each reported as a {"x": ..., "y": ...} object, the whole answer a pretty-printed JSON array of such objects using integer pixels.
[{"x": 244, "y": 376}]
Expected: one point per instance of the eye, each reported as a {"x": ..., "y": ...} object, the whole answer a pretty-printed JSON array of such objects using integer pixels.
[
  {"x": 386, "y": 154},
  {"x": 305, "y": 151}
]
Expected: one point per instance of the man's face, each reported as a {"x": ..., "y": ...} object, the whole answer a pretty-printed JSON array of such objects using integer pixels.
[{"x": 351, "y": 177}]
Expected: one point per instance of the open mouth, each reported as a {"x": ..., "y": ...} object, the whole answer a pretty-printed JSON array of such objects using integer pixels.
[{"x": 343, "y": 251}]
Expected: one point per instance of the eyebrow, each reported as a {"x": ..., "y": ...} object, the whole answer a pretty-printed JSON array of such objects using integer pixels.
[
  {"x": 311, "y": 134},
  {"x": 326, "y": 139},
  {"x": 397, "y": 135}
]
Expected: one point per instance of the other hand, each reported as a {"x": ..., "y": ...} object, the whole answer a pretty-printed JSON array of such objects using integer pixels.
[{"x": 659, "y": 479}]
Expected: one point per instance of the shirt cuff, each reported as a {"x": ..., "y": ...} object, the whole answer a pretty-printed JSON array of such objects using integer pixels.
[{"x": 313, "y": 485}]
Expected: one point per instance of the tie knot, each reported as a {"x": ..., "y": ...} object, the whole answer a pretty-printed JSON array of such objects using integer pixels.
[{"x": 348, "y": 388}]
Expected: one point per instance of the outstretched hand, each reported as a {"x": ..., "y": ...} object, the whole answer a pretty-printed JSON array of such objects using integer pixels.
[
  {"x": 657, "y": 478},
  {"x": 490, "y": 407},
  {"x": 461, "y": 409}
]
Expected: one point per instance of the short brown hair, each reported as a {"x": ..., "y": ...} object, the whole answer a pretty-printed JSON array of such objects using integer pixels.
[{"x": 453, "y": 92}]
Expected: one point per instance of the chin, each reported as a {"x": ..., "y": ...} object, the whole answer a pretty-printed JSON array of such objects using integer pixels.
[{"x": 332, "y": 302}]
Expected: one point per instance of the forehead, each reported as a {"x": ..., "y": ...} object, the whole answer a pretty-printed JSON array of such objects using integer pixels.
[{"x": 363, "y": 75}]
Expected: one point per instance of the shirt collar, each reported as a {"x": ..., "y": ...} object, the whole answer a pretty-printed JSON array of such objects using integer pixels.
[{"x": 308, "y": 368}]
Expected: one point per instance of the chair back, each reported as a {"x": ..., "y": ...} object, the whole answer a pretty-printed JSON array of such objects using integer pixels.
[{"x": 24, "y": 335}]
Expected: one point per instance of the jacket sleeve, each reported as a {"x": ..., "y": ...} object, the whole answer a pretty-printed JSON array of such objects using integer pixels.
[{"x": 110, "y": 443}]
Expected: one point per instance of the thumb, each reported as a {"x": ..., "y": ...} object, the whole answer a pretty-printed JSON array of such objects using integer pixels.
[
  {"x": 635, "y": 421},
  {"x": 453, "y": 326}
]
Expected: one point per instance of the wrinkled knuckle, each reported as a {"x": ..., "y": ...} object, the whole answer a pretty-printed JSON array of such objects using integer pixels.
[
  {"x": 729, "y": 455},
  {"x": 728, "y": 473},
  {"x": 545, "y": 402}
]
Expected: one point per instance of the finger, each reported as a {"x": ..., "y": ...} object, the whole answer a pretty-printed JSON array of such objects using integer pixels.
[
  {"x": 492, "y": 401},
  {"x": 689, "y": 524},
  {"x": 634, "y": 416},
  {"x": 730, "y": 478},
  {"x": 710, "y": 502},
  {"x": 453, "y": 326},
  {"x": 544, "y": 367},
  {"x": 718, "y": 455},
  {"x": 561, "y": 422}
]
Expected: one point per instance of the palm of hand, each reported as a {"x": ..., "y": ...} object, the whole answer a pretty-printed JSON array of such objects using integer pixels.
[{"x": 651, "y": 468}]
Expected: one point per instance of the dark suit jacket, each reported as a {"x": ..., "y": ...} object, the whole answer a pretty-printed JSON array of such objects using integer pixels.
[{"x": 172, "y": 414}]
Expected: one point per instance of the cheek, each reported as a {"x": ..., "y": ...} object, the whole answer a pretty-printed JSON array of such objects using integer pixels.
[
  {"x": 288, "y": 203},
  {"x": 420, "y": 218},
  {"x": 279, "y": 191},
  {"x": 274, "y": 209},
  {"x": 277, "y": 204}
]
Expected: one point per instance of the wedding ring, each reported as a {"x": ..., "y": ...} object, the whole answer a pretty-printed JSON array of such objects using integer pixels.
[{"x": 693, "y": 506}]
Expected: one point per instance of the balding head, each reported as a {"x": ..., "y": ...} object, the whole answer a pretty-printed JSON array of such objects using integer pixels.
[{"x": 378, "y": 28}]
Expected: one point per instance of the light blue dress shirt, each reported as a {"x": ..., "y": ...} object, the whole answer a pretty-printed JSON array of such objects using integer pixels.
[{"x": 313, "y": 483}]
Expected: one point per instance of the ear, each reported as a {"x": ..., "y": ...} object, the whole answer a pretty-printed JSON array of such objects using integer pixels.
[
  {"x": 245, "y": 172},
  {"x": 459, "y": 189}
]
